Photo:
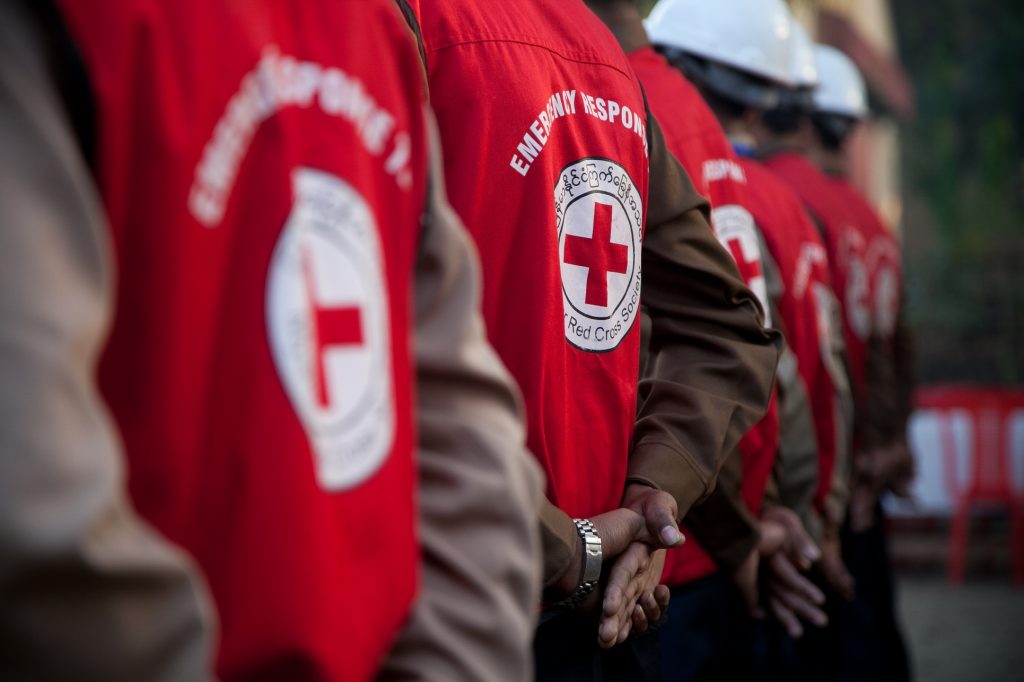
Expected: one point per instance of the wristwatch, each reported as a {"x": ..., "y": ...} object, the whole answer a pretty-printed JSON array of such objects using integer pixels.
[{"x": 591, "y": 564}]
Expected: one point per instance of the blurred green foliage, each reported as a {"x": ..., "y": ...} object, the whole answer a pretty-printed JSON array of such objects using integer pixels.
[{"x": 964, "y": 184}]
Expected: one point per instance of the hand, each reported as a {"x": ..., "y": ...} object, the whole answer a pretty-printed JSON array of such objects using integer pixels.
[
  {"x": 866, "y": 487},
  {"x": 797, "y": 545},
  {"x": 634, "y": 573},
  {"x": 903, "y": 470},
  {"x": 744, "y": 579},
  {"x": 771, "y": 540},
  {"x": 617, "y": 528},
  {"x": 660, "y": 514},
  {"x": 654, "y": 600},
  {"x": 791, "y": 596},
  {"x": 832, "y": 566}
]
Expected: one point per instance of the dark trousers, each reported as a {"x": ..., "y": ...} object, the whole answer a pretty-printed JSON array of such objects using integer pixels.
[
  {"x": 862, "y": 641},
  {"x": 872, "y": 646},
  {"x": 708, "y": 634},
  {"x": 565, "y": 650}
]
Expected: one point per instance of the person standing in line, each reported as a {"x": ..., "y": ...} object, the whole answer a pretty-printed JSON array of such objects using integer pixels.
[
  {"x": 872, "y": 645},
  {"x": 697, "y": 138},
  {"x": 565, "y": 183},
  {"x": 230, "y": 287}
]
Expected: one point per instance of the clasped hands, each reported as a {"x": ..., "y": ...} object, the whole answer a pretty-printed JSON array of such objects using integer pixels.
[{"x": 633, "y": 542}]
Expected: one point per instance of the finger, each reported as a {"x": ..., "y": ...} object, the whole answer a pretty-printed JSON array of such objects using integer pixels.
[
  {"x": 656, "y": 566},
  {"x": 789, "y": 621},
  {"x": 650, "y": 607},
  {"x": 632, "y": 593},
  {"x": 624, "y": 631},
  {"x": 623, "y": 572},
  {"x": 663, "y": 596},
  {"x": 660, "y": 513},
  {"x": 843, "y": 582},
  {"x": 640, "y": 620},
  {"x": 786, "y": 575},
  {"x": 607, "y": 632},
  {"x": 660, "y": 517},
  {"x": 803, "y": 544},
  {"x": 801, "y": 607}
]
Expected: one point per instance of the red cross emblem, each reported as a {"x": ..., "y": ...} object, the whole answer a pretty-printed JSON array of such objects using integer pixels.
[
  {"x": 749, "y": 269},
  {"x": 328, "y": 327},
  {"x": 599, "y": 254}
]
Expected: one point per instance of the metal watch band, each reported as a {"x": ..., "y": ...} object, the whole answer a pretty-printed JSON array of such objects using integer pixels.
[{"x": 592, "y": 555}]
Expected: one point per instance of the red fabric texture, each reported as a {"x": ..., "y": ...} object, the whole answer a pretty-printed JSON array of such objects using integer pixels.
[
  {"x": 846, "y": 252},
  {"x": 800, "y": 254},
  {"x": 525, "y": 110},
  {"x": 310, "y": 582},
  {"x": 882, "y": 260}
]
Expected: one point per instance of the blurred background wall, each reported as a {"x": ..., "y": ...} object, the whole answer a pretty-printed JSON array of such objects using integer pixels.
[{"x": 943, "y": 160}]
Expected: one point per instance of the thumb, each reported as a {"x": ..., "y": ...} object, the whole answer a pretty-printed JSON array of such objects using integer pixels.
[
  {"x": 659, "y": 511},
  {"x": 773, "y": 537},
  {"x": 807, "y": 552},
  {"x": 661, "y": 524}
]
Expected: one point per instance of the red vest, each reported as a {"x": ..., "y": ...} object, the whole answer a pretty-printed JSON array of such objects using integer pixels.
[
  {"x": 695, "y": 137},
  {"x": 882, "y": 260},
  {"x": 805, "y": 304},
  {"x": 545, "y": 145},
  {"x": 847, "y": 250},
  {"x": 262, "y": 167}
]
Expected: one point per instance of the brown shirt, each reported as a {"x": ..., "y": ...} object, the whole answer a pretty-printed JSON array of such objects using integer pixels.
[
  {"x": 698, "y": 313},
  {"x": 709, "y": 362}
]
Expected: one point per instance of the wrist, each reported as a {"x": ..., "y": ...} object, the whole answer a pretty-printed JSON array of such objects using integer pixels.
[
  {"x": 588, "y": 564},
  {"x": 635, "y": 489}
]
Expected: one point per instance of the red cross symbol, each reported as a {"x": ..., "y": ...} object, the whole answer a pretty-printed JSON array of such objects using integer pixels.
[
  {"x": 328, "y": 327},
  {"x": 749, "y": 269},
  {"x": 599, "y": 254}
]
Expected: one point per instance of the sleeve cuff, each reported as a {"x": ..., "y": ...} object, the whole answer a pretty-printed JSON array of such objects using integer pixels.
[
  {"x": 560, "y": 542},
  {"x": 667, "y": 468}
]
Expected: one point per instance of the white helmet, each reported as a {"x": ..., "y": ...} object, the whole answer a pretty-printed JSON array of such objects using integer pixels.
[
  {"x": 748, "y": 35},
  {"x": 840, "y": 86},
  {"x": 803, "y": 67}
]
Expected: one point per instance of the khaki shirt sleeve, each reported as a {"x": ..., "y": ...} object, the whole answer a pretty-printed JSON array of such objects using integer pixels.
[
  {"x": 88, "y": 592},
  {"x": 843, "y": 407},
  {"x": 480, "y": 490},
  {"x": 796, "y": 467},
  {"x": 710, "y": 363},
  {"x": 795, "y": 474},
  {"x": 561, "y": 543}
]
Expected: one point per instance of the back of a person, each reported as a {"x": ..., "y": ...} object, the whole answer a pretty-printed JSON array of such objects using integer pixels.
[
  {"x": 806, "y": 305},
  {"x": 846, "y": 252},
  {"x": 882, "y": 259},
  {"x": 884, "y": 406},
  {"x": 691, "y": 130},
  {"x": 543, "y": 127},
  {"x": 263, "y": 181},
  {"x": 694, "y": 136}
]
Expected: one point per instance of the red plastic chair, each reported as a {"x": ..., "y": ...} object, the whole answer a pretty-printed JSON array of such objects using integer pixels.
[{"x": 990, "y": 480}]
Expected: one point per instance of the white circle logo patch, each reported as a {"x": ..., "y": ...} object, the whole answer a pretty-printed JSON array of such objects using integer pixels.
[
  {"x": 599, "y": 213},
  {"x": 735, "y": 229},
  {"x": 327, "y": 320},
  {"x": 858, "y": 286},
  {"x": 884, "y": 261}
]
